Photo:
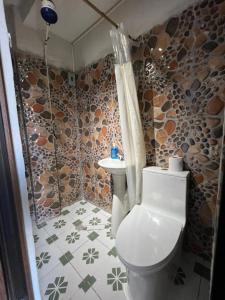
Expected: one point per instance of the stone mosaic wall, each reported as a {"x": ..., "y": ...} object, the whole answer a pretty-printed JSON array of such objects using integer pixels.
[
  {"x": 65, "y": 146},
  {"x": 180, "y": 74},
  {"x": 52, "y": 137},
  {"x": 98, "y": 126},
  {"x": 181, "y": 71}
]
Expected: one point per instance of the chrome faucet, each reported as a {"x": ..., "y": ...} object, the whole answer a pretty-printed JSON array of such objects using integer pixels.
[{"x": 121, "y": 156}]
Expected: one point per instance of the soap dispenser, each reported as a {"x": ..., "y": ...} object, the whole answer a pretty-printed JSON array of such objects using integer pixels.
[{"x": 114, "y": 151}]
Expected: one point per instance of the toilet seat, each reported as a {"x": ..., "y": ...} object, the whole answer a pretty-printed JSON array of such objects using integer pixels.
[{"x": 146, "y": 240}]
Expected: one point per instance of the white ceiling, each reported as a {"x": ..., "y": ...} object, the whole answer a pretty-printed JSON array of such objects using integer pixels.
[{"x": 74, "y": 17}]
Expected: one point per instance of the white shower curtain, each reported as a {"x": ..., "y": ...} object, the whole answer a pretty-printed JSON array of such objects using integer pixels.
[{"x": 132, "y": 133}]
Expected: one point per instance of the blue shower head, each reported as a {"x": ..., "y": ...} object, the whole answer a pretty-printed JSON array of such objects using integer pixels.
[{"x": 48, "y": 11}]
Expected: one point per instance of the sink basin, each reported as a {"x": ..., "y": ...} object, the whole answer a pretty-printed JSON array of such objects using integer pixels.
[
  {"x": 114, "y": 166},
  {"x": 119, "y": 205}
]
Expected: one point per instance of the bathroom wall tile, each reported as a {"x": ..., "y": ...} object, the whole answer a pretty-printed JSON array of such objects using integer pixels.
[
  {"x": 181, "y": 99},
  {"x": 99, "y": 125},
  {"x": 182, "y": 92},
  {"x": 51, "y": 129}
]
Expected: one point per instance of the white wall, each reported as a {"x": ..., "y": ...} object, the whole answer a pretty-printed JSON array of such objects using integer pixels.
[
  {"x": 138, "y": 17},
  {"x": 17, "y": 146},
  {"x": 30, "y": 40}
]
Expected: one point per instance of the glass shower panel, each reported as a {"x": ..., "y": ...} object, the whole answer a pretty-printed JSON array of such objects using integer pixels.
[
  {"x": 38, "y": 119},
  {"x": 49, "y": 128},
  {"x": 64, "y": 108}
]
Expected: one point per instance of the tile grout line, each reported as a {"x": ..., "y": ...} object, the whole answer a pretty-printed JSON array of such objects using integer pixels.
[
  {"x": 96, "y": 293},
  {"x": 83, "y": 279},
  {"x": 103, "y": 244},
  {"x": 97, "y": 206},
  {"x": 199, "y": 288}
]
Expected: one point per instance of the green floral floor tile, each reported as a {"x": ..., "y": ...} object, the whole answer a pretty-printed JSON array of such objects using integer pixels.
[
  {"x": 41, "y": 225},
  {"x": 80, "y": 211},
  {"x": 108, "y": 225},
  {"x": 90, "y": 256},
  {"x": 92, "y": 236},
  {"x": 109, "y": 234},
  {"x": 42, "y": 259},
  {"x": 59, "y": 224},
  {"x": 116, "y": 279},
  {"x": 77, "y": 247},
  {"x": 52, "y": 239},
  {"x": 113, "y": 252},
  {"x": 83, "y": 202},
  {"x": 77, "y": 223},
  {"x": 180, "y": 277},
  {"x": 64, "y": 259},
  {"x": 72, "y": 237},
  {"x": 56, "y": 288},
  {"x": 87, "y": 283},
  {"x": 36, "y": 238},
  {"x": 95, "y": 221},
  {"x": 65, "y": 212}
]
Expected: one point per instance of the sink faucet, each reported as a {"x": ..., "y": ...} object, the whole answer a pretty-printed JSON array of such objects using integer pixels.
[{"x": 121, "y": 156}]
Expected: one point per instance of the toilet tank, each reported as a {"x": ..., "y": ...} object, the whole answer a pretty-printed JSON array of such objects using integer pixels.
[{"x": 165, "y": 192}]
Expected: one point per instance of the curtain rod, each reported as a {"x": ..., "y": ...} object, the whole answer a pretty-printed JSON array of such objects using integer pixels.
[{"x": 101, "y": 13}]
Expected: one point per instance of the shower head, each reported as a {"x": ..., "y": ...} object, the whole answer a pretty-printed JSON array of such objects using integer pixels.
[{"x": 48, "y": 11}]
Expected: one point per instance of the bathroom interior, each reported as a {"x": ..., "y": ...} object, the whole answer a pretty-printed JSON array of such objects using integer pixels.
[{"x": 120, "y": 108}]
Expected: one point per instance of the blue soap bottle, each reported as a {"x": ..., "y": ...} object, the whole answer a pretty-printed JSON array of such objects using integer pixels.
[{"x": 114, "y": 151}]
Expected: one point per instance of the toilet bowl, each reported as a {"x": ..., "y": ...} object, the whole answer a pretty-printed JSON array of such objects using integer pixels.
[{"x": 149, "y": 239}]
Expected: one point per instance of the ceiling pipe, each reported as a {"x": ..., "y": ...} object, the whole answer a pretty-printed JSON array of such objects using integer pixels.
[{"x": 102, "y": 14}]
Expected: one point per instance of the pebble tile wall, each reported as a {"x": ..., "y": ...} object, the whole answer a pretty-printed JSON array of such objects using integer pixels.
[
  {"x": 181, "y": 91},
  {"x": 54, "y": 179},
  {"x": 180, "y": 73},
  {"x": 65, "y": 146},
  {"x": 99, "y": 125}
]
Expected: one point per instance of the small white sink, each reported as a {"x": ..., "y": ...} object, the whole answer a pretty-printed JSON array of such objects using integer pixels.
[{"x": 114, "y": 166}]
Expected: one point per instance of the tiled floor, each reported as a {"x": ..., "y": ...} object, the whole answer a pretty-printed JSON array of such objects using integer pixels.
[{"x": 76, "y": 259}]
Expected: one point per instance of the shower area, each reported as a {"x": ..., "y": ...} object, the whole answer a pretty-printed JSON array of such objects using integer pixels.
[
  {"x": 66, "y": 129},
  {"x": 50, "y": 133},
  {"x": 67, "y": 122}
]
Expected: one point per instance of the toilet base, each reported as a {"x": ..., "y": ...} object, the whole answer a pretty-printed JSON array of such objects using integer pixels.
[{"x": 153, "y": 286}]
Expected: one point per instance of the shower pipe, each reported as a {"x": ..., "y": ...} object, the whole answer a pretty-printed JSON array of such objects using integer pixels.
[
  {"x": 50, "y": 108},
  {"x": 102, "y": 14}
]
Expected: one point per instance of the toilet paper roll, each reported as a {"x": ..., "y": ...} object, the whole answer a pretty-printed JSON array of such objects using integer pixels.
[{"x": 175, "y": 164}]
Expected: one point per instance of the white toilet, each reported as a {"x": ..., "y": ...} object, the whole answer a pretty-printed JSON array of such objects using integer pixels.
[{"x": 150, "y": 237}]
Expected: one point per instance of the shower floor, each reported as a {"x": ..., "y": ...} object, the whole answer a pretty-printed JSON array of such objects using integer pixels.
[{"x": 76, "y": 259}]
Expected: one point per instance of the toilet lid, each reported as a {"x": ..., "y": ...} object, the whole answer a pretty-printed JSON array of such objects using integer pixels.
[{"x": 146, "y": 238}]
